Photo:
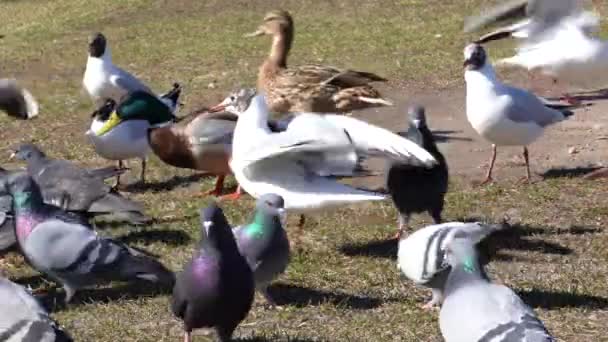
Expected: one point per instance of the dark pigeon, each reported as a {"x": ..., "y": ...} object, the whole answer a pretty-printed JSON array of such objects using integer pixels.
[
  {"x": 264, "y": 243},
  {"x": 416, "y": 189},
  {"x": 73, "y": 188},
  {"x": 63, "y": 245},
  {"x": 476, "y": 309},
  {"x": 216, "y": 287},
  {"x": 22, "y": 318},
  {"x": 7, "y": 222}
]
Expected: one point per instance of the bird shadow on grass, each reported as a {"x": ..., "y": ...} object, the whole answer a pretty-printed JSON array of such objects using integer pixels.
[
  {"x": 270, "y": 338},
  {"x": 166, "y": 185},
  {"x": 101, "y": 224},
  {"x": 554, "y": 300},
  {"x": 443, "y": 136},
  {"x": 169, "y": 237},
  {"x": 375, "y": 249},
  {"x": 285, "y": 294},
  {"x": 568, "y": 172},
  {"x": 55, "y": 300}
]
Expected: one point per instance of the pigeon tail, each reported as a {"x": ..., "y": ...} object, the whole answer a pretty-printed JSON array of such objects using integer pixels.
[
  {"x": 108, "y": 172},
  {"x": 139, "y": 266}
]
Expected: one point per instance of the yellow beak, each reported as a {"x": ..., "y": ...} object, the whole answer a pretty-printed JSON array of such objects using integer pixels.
[{"x": 112, "y": 122}]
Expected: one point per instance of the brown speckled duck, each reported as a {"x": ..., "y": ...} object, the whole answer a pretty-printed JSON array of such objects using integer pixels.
[{"x": 309, "y": 88}]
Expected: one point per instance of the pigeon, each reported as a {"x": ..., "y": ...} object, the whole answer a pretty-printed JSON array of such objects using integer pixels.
[
  {"x": 63, "y": 245},
  {"x": 416, "y": 189},
  {"x": 420, "y": 256},
  {"x": 22, "y": 318},
  {"x": 216, "y": 287},
  {"x": 17, "y": 101},
  {"x": 503, "y": 115},
  {"x": 73, "y": 188},
  {"x": 7, "y": 221},
  {"x": 264, "y": 243},
  {"x": 475, "y": 309}
]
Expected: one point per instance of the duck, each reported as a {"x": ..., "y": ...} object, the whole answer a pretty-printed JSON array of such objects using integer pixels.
[
  {"x": 201, "y": 140},
  {"x": 309, "y": 88},
  {"x": 119, "y": 131}
]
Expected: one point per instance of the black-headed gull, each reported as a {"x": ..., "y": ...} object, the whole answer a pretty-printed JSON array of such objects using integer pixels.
[
  {"x": 291, "y": 163},
  {"x": 503, "y": 115}
]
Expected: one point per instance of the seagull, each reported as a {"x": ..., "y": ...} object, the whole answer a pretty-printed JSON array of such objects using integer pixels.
[
  {"x": 103, "y": 80},
  {"x": 475, "y": 309},
  {"x": 292, "y": 163},
  {"x": 17, "y": 101},
  {"x": 549, "y": 27},
  {"x": 503, "y": 115}
]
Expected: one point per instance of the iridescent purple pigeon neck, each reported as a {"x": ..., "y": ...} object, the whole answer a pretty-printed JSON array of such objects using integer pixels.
[{"x": 26, "y": 218}]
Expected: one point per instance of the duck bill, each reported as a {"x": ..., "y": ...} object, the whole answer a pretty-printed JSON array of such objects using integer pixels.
[
  {"x": 257, "y": 33},
  {"x": 112, "y": 122},
  {"x": 217, "y": 108}
]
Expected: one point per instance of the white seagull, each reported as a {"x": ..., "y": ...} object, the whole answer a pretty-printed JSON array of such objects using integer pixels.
[
  {"x": 503, "y": 115},
  {"x": 292, "y": 163}
]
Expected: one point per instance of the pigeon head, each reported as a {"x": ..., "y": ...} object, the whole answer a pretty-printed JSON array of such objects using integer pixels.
[
  {"x": 461, "y": 253},
  {"x": 417, "y": 116},
  {"x": 271, "y": 203},
  {"x": 27, "y": 152},
  {"x": 474, "y": 57},
  {"x": 237, "y": 102},
  {"x": 97, "y": 45},
  {"x": 216, "y": 230},
  {"x": 21, "y": 186}
]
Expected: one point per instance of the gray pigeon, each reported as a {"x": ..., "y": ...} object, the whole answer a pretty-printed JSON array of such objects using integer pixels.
[
  {"x": 22, "y": 318},
  {"x": 264, "y": 243},
  {"x": 16, "y": 101},
  {"x": 7, "y": 222},
  {"x": 420, "y": 257},
  {"x": 64, "y": 246},
  {"x": 216, "y": 287},
  {"x": 73, "y": 188},
  {"x": 475, "y": 309}
]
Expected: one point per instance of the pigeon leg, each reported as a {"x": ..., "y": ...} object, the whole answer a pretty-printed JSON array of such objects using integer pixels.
[
  {"x": 217, "y": 189},
  {"x": 488, "y": 178},
  {"x": 435, "y": 300},
  {"x": 142, "y": 175},
  {"x": 187, "y": 336},
  {"x": 268, "y": 297},
  {"x": 402, "y": 224},
  {"x": 69, "y": 293},
  {"x": 599, "y": 173},
  {"x": 527, "y": 178},
  {"x": 233, "y": 196}
]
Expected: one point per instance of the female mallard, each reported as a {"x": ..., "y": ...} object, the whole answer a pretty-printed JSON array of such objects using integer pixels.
[
  {"x": 120, "y": 132},
  {"x": 309, "y": 88}
]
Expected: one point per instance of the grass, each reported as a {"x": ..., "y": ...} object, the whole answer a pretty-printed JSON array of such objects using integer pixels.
[{"x": 342, "y": 285}]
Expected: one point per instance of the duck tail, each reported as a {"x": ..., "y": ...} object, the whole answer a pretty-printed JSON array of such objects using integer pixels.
[{"x": 171, "y": 97}]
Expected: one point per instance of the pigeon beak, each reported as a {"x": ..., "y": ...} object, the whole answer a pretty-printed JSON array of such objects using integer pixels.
[
  {"x": 282, "y": 216},
  {"x": 257, "y": 33},
  {"x": 112, "y": 122}
]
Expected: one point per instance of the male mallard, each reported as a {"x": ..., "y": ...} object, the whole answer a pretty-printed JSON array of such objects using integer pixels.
[
  {"x": 309, "y": 88},
  {"x": 200, "y": 141},
  {"x": 120, "y": 132}
]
